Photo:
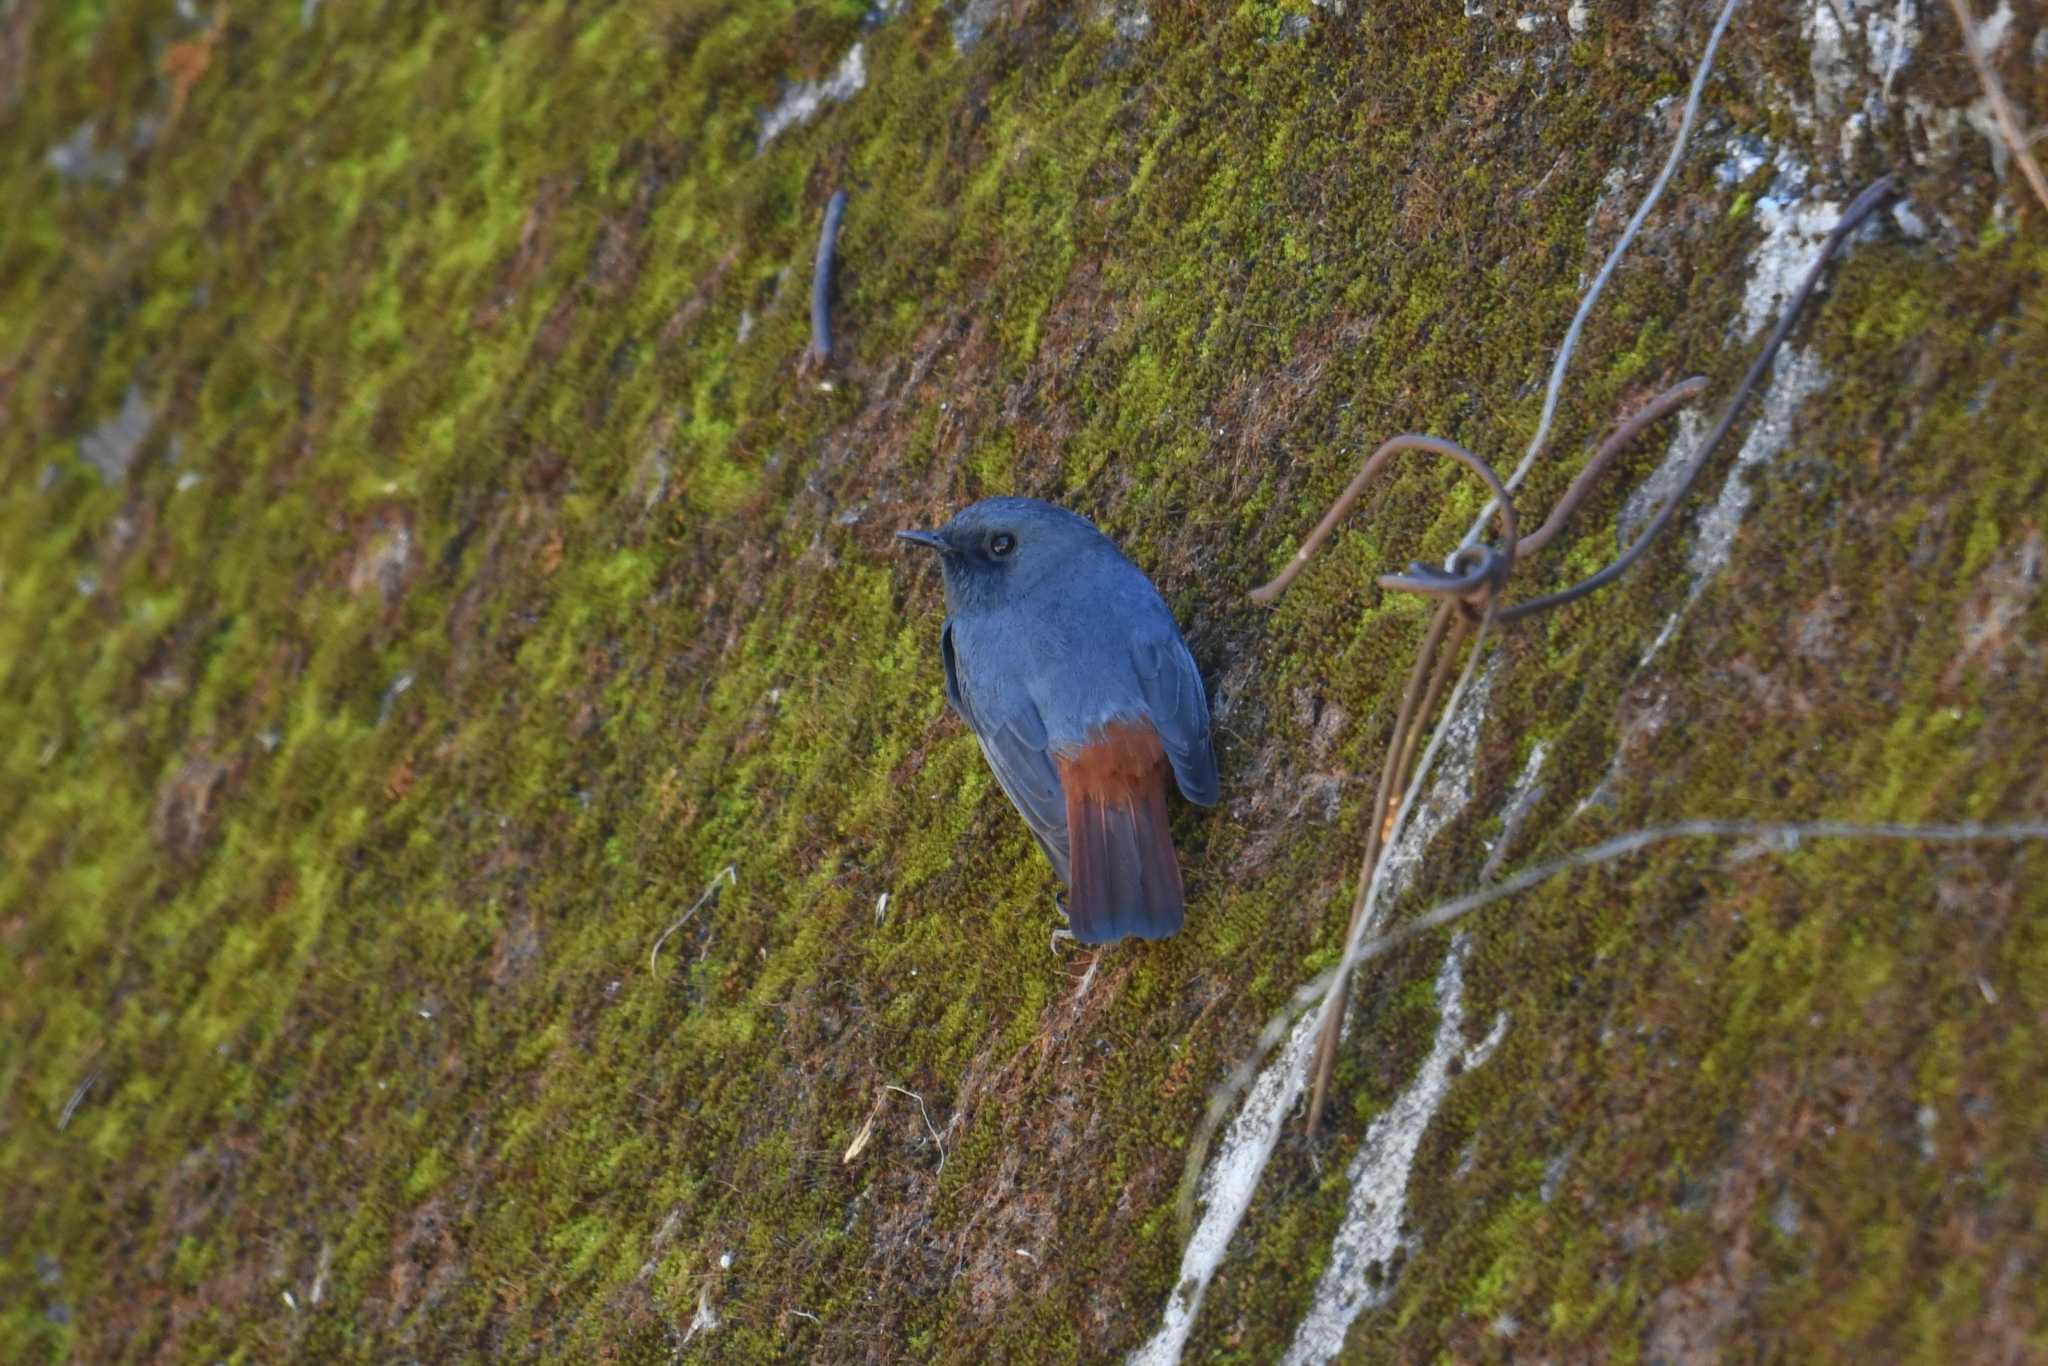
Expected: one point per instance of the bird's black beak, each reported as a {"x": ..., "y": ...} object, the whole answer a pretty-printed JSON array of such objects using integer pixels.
[{"x": 930, "y": 540}]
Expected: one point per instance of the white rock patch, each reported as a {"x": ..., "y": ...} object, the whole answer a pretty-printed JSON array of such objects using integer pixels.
[
  {"x": 801, "y": 102},
  {"x": 1360, "y": 1274},
  {"x": 1795, "y": 378},
  {"x": 1233, "y": 1175},
  {"x": 1227, "y": 1189},
  {"x": 1794, "y": 228}
]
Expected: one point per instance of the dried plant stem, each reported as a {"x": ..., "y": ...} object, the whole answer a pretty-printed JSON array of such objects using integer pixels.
[
  {"x": 1447, "y": 657},
  {"x": 1334, "y": 1002},
  {"x": 1786, "y": 835},
  {"x": 2001, "y": 104},
  {"x": 1621, "y": 246},
  {"x": 1321, "y": 990},
  {"x": 1270, "y": 593},
  {"x": 1677, "y": 396},
  {"x": 1436, "y": 659},
  {"x": 1875, "y": 196}
]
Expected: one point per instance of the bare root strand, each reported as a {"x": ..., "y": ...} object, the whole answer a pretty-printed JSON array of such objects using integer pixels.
[
  {"x": 1677, "y": 396},
  {"x": 1406, "y": 724},
  {"x": 1438, "y": 659},
  {"x": 1565, "y": 348},
  {"x": 1270, "y": 593},
  {"x": 1879, "y": 193},
  {"x": 1422, "y": 681},
  {"x": 1477, "y": 572},
  {"x": 927, "y": 1115},
  {"x": 2001, "y": 104},
  {"x": 1784, "y": 835},
  {"x": 1334, "y": 1002},
  {"x": 1437, "y": 678}
]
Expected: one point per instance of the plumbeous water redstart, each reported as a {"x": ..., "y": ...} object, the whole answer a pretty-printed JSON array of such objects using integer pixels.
[{"x": 1065, "y": 663}]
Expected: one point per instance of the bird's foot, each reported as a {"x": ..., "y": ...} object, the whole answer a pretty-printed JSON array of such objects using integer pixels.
[{"x": 1059, "y": 903}]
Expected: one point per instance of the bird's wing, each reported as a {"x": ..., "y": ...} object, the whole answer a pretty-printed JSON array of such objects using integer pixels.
[
  {"x": 1172, "y": 686},
  {"x": 1013, "y": 740},
  {"x": 954, "y": 696}
]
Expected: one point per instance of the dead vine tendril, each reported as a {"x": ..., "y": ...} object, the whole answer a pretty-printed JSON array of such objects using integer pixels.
[
  {"x": 1472, "y": 583},
  {"x": 2002, "y": 112}
]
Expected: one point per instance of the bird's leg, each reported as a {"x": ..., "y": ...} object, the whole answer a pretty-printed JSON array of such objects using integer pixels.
[{"x": 1059, "y": 903}]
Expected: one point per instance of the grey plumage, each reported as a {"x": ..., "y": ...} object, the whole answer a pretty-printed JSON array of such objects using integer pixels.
[{"x": 1054, "y": 641}]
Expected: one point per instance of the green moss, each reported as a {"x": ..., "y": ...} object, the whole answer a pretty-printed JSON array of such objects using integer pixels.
[{"x": 311, "y": 978}]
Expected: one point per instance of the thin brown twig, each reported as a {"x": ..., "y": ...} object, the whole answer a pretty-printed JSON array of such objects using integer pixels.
[
  {"x": 1383, "y": 797},
  {"x": 2001, "y": 104},
  {"x": 1437, "y": 679},
  {"x": 1400, "y": 756},
  {"x": 1624, "y": 436},
  {"x": 1336, "y": 1003},
  {"x": 1270, "y": 593},
  {"x": 1874, "y": 196},
  {"x": 1478, "y": 574}
]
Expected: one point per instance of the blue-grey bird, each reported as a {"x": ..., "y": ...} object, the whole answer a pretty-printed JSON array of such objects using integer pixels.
[{"x": 1068, "y": 667}]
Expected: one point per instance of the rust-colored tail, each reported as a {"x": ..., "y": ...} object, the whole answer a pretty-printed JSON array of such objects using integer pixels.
[{"x": 1126, "y": 880}]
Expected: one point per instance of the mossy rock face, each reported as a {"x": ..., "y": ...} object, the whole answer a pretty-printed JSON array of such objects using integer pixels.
[{"x": 424, "y": 569}]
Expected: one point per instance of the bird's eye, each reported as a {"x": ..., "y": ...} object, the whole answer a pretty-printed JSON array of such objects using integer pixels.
[{"x": 1001, "y": 544}]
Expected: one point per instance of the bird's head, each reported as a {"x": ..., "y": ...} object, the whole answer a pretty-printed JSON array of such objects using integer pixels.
[{"x": 1000, "y": 549}]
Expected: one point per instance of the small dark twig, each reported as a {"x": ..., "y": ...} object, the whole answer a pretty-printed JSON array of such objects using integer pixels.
[
  {"x": 820, "y": 353},
  {"x": 1875, "y": 197}
]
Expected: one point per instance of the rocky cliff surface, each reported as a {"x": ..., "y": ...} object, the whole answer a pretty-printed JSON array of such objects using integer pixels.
[{"x": 485, "y": 866}]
